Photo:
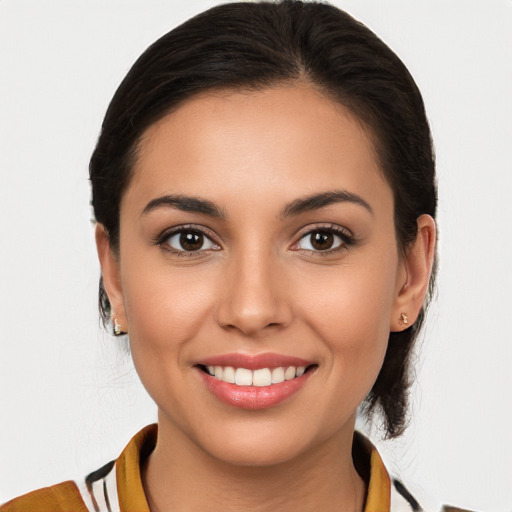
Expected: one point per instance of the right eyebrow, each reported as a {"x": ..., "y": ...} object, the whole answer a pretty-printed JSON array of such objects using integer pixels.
[
  {"x": 186, "y": 204},
  {"x": 322, "y": 199}
]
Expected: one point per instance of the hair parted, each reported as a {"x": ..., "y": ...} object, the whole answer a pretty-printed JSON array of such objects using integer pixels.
[{"x": 256, "y": 45}]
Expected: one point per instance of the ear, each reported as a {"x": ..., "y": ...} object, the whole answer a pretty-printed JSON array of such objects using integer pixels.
[
  {"x": 414, "y": 275},
  {"x": 110, "y": 271}
]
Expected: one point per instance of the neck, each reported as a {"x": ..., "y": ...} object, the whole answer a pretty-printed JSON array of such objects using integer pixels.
[{"x": 180, "y": 476}]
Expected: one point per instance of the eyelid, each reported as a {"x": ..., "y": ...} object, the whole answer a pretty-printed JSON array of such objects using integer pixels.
[
  {"x": 165, "y": 235},
  {"x": 342, "y": 232}
]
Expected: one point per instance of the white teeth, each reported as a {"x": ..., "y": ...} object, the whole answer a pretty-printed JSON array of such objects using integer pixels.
[
  {"x": 277, "y": 375},
  {"x": 243, "y": 377},
  {"x": 260, "y": 377},
  {"x": 289, "y": 373},
  {"x": 228, "y": 375}
]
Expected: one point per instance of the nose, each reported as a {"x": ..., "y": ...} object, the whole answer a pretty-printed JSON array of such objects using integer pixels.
[{"x": 254, "y": 299}]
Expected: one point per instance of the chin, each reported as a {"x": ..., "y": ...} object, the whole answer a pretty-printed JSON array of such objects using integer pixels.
[
  {"x": 260, "y": 443},
  {"x": 256, "y": 453}
]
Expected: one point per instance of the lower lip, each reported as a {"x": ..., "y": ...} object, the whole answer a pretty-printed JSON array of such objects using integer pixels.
[{"x": 253, "y": 397}]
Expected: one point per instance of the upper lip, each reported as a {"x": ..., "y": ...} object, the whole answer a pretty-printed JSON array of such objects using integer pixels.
[{"x": 254, "y": 361}]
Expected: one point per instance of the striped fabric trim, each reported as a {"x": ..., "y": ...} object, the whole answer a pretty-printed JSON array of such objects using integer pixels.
[
  {"x": 99, "y": 493},
  {"x": 99, "y": 490},
  {"x": 402, "y": 500}
]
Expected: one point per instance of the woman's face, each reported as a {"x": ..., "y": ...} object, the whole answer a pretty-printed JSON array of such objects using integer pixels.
[{"x": 257, "y": 233}]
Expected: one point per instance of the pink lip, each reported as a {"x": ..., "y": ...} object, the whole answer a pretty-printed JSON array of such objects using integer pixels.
[
  {"x": 253, "y": 362},
  {"x": 254, "y": 397}
]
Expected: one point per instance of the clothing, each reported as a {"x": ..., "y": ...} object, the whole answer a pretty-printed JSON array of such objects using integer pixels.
[{"x": 117, "y": 486}]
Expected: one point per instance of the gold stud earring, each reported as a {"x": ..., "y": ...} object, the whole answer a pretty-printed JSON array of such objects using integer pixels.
[
  {"x": 117, "y": 328},
  {"x": 404, "y": 318}
]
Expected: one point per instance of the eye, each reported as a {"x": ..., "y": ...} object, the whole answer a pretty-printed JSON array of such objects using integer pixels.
[
  {"x": 323, "y": 240},
  {"x": 189, "y": 240}
]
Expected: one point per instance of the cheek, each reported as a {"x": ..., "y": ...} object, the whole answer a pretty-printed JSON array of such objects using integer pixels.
[
  {"x": 165, "y": 309},
  {"x": 165, "y": 306},
  {"x": 356, "y": 338},
  {"x": 349, "y": 308},
  {"x": 355, "y": 300}
]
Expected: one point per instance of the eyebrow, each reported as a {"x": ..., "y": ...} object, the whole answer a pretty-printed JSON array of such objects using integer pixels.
[
  {"x": 317, "y": 201},
  {"x": 296, "y": 207},
  {"x": 186, "y": 204}
]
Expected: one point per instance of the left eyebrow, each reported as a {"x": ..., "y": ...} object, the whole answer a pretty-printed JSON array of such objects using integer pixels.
[
  {"x": 317, "y": 201},
  {"x": 186, "y": 204}
]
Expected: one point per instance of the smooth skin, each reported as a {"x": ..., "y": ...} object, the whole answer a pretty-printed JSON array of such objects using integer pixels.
[{"x": 254, "y": 281}]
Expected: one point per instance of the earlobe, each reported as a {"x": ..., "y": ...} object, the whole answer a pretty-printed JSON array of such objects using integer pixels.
[
  {"x": 110, "y": 271},
  {"x": 417, "y": 267}
]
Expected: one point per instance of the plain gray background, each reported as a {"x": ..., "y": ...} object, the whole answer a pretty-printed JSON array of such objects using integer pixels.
[{"x": 70, "y": 399}]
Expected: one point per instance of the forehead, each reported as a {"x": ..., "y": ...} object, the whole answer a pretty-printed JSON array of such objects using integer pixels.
[{"x": 289, "y": 140}]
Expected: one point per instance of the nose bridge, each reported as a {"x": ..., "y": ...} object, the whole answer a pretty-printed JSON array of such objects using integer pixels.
[{"x": 254, "y": 298}]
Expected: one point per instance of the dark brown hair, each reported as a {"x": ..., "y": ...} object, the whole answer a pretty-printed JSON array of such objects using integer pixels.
[{"x": 247, "y": 45}]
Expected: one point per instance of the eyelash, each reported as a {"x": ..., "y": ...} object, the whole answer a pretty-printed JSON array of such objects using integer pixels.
[
  {"x": 347, "y": 239},
  {"x": 163, "y": 239}
]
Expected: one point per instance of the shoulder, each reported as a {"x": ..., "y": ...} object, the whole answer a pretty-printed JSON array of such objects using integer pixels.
[
  {"x": 115, "y": 486},
  {"x": 63, "y": 497},
  {"x": 386, "y": 493}
]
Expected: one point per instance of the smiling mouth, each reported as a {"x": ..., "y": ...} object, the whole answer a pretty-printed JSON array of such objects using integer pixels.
[{"x": 259, "y": 378}]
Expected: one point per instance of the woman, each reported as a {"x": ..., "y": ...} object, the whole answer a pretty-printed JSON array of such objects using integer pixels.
[{"x": 265, "y": 195}]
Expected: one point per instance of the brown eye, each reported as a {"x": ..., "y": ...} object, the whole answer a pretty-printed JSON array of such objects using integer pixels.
[
  {"x": 321, "y": 240},
  {"x": 190, "y": 241}
]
